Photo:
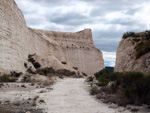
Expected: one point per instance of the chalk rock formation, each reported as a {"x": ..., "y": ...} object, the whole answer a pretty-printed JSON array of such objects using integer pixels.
[
  {"x": 60, "y": 50},
  {"x": 132, "y": 54}
]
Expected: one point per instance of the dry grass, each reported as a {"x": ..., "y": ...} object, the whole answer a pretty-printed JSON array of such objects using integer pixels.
[
  {"x": 49, "y": 82},
  {"x": 20, "y": 107},
  {"x": 7, "y": 78},
  {"x": 94, "y": 90},
  {"x": 34, "y": 79},
  {"x": 4, "y": 109}
]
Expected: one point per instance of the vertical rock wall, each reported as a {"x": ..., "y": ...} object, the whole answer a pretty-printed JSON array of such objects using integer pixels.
[
  {"x": 126, "y": 57},
  {"x": 17, "y": 41},
  {"x": 13, "y": 37}
]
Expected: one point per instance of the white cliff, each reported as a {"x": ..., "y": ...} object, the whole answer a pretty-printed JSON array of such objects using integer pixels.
[
  {"x": 51, "y": 48},
  {"x": 126, "y": 58}
]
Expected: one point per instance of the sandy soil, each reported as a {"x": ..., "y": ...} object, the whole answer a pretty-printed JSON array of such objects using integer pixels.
[{"x": 68, "y": 95}]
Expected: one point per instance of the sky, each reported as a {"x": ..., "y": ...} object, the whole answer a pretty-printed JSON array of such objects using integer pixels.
[{"x": 108, "y": 19}]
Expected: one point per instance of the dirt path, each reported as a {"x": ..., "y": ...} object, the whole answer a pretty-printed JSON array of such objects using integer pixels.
[{"x": 70, "y": 95}]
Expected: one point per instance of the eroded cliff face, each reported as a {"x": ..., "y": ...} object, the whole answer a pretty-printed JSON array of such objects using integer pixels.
[
  {"x": 14, "y": 37},
  {"x": 60, "y": 50},
  {"x": 127, "y": 59}
]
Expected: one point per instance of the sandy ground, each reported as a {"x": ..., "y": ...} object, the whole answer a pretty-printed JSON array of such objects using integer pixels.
[{"x": 68, "y": 95}]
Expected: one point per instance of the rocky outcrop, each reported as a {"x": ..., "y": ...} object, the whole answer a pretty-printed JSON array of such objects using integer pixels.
[
  {"x": 133, "y": 53},
  {"x": 60, "y": 50}
]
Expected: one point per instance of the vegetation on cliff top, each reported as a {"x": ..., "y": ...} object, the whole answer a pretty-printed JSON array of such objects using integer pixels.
[
  {"x": 123, "y": 88},
  {"x": 143, "y": 44}
]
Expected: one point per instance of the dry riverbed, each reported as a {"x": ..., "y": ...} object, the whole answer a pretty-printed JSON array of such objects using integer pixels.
[{"x": 68, "y": 95}]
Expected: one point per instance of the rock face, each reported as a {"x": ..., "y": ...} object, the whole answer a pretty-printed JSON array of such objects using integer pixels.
[
  {"x": 126, "y": 59},
  {"x": 60, "y": 50}
]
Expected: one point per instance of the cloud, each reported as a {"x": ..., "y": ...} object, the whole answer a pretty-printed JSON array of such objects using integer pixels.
[
  {"x": 109, "y": 58},
  {"x": 70, "y": 18},
  {"x": 108, "y": 19},
  {"x": 109, "y": 64}
]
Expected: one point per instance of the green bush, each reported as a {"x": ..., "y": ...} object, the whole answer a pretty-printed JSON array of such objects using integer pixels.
[
  {"x": 142, "y": 48},
  {"x": 147, "y": 35},
  {"x": 103, "y": 80},
  {"x": 128, "y": 34},
  {"x": 136, "y": 35},
  {"x": 7, "y": 78},
  {"x": 135, "y": 87},
  {"x": 129, "y": 87},
  {"x": 100, "y": 73},
  {"x": 143, "y": 43},
  {"x": 45, "y": 71},
  {"x": 102, "y": 77},
  {"x": 41, "y": 73}
]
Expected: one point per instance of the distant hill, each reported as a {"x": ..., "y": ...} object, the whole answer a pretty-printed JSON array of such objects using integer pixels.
[{"x": 111, "y": 69}]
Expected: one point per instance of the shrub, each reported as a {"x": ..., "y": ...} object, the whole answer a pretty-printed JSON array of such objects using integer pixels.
[
  {"x": 142, "y": 48},
  {"x": 136, "y": 35},
  {"x": 23, "y": 86},
  {"x": 103, "y": 81},
  {"x": 48, "y": 82},
  {"x": 42, "y": 91},
  {"x": 36, "y": 65},
  {"x": 102, "y": 77},
  {"x": 90, "y": 79},
  {"x": 15, "y": 74},
  {"x": 136, "y": 40},
  {"x": 76, "y": 68},
  {"x": 4, "y": 109},
  {"x": 128, "y": 34},
  {"x": 147, "y": 35},
  {"x": 31, "y": 55},
  {"x": 63, "y": 62},
  {"x": 94, "y": 90},
  {"x": 41, "y": 101},
  {"x": 36, "y": 97},
  {"x": 103, "y": 71},
  {"x": 33, "y": 61},
  {"x": 45, "y": 71},
  {"x": 128, "y": 87},
  {"x": 27, "y": 78},
  {"x": 114, "y": 75},
  {"x": 41, "y": 73},
  {"x": 84, "y": 74},
  {"x": 7, "y": 78},
  {"x": 134, "y": 86},
  {"x": 65, "y": 72}
]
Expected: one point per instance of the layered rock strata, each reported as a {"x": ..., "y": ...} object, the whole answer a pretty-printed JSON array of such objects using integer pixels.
[
  {"x": 60, "y": 50},
  {"x": 133, "y": 53}
]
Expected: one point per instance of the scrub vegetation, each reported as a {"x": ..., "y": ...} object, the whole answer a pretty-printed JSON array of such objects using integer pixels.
[
  {"x": 142, "y": 41},
  {"x": 122, "y": 88}
]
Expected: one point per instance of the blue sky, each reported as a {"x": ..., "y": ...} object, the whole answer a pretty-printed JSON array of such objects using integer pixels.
[{"x": 108, "y": 19}]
